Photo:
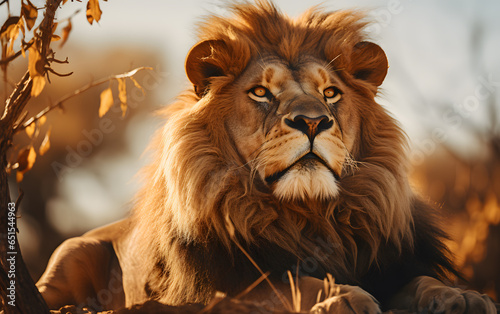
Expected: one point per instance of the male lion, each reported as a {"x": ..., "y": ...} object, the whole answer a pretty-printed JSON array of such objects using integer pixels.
[{"x": 279, "y": 151}]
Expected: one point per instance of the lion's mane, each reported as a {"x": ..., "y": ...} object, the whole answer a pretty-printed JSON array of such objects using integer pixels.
[{"x": 201, "y": 196}]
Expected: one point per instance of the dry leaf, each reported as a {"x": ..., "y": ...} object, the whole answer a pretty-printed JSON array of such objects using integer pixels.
[
  {"x": 30, "y": 13},
  {"x": 19, "y": 176},
  {"x": 13, "y": 36},
  {"x": 9, "y": 33},
  {"x": 37, "y": 131},
  {"x": 44, "y": 147},
  {"x": 30, "y": 129},
  {"x": 122, "y": 94},
  {"x": 35, "y": 62},
  {"x": 26, "y": 160},
  {"x": 8, "y": 25},
  {"x": 38, "y": 85},
  {"x": 36, "y": 69},
  {"x": 65, "y": 33},
  {"x": 106, "y": 101},
  {"x": 42, "y": 121},
  {"x": 55, "y": 37},
  {"x": 124, "y": 109},
  {"x": 137, "y": 85},
  {"x": 93, "y": 11}
]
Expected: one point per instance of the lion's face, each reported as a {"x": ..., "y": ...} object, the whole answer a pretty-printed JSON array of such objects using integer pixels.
[
  {"x": 294, "y": 112},
  {"x": 295, "y": 124}
]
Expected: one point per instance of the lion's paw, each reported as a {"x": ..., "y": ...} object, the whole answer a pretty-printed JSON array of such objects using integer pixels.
[
  {"x": 351, "y": 299},
  {"x": 442, "y": 299}
]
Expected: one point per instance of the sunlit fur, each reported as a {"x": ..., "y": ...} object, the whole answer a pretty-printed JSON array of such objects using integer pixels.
[
  {"x": 198, "y": 187},
  {"x": 300, "y": 183}
]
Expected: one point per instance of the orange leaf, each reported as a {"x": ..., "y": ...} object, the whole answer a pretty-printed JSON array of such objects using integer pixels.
[
  {"x": 19, "y": 176},
  {"x": 41, "y": 121},
  {"x": 30, "y": 13},
  {"x": 106, "y": 101},
  {"x": 38, "y": 85},
  {"x": 122, "y": 95},
  {"x": 10, "y": 32},
  {"x": 65, "y": 33},
  {"x": 137, "y": 84},
  {"x": 26, "y": 160},
  {"x": 30, "y": 129},
  {"x": 35, "y": 62},
  {"x": 124, "y": 109},
  {"x": 55, "y": 37},
  {"x": 44, "y": 147},
  {"x": 36, "y": 69},
  {"x": 93, "y": 11},
  {"x": 8, "y": 25}
]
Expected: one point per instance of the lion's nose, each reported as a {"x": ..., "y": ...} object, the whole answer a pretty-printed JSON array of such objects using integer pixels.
[{"x": 310, "y": 126}]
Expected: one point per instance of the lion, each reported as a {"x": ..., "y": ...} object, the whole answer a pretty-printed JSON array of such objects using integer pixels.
[{"x": 278, "y": 159}]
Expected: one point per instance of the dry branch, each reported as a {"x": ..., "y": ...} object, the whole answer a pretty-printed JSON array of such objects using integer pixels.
[
  {"x": 27, "y": 297},
  {"x": 77, "y": 92}
]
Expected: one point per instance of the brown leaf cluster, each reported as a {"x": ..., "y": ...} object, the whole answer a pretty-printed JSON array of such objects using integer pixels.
[
  {"x": 39, "y": 67},
  {"x": 27, "y": 155},
  {"x": 107, "y": 99},
  {"x": 9, "y": 33},
  {"x": 26, "y": 21},
  {"x": 25, "y": 160}
]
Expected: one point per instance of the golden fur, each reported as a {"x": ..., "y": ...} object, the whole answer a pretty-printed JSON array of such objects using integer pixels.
[
  {"x": 280, "y": 145},
  {"x": 204, "y": 189}
]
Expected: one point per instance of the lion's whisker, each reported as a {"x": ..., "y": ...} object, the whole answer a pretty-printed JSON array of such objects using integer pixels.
[{"x": 329, "y": 65}]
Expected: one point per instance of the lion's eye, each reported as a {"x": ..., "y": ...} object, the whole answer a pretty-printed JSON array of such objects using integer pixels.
[
  {"x": 332, "y": 95},
  {"x": 259, "y": 91},
  {"x": 260, "y": 94}
]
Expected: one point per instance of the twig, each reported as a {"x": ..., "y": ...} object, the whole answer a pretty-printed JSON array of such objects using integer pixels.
[
  {"x": 65, "y": 61},
  {"x": 253, "y": 285},
  {"x": 282, "y": 298},
  {"x": 56, "y": 73},
  {"x": 77, "y": 92}
]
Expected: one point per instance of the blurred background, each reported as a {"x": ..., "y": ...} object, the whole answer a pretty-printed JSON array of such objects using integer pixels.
[{"x": 443, "y": 85}]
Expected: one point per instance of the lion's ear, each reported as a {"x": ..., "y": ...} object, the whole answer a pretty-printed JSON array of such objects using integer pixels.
[
  {"x": 369, "y": 63},
  {"x": 202, "y": 64}
]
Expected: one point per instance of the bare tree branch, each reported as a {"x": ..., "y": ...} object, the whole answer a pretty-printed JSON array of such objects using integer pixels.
[
  {"x": 27, "y": 297},
  {"x": 77, "y": 92}
]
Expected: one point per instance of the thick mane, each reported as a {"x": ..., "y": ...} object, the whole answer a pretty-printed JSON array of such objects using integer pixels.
[
  {"x": 204, "y": 191},
  {"x": 262, "y": 27}
]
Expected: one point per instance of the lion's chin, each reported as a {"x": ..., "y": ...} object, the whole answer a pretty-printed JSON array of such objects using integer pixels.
[{"x": 303, "y": 182}]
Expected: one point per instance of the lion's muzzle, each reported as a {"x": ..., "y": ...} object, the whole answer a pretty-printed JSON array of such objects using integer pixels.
[{"x": 310, "y": 126}]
